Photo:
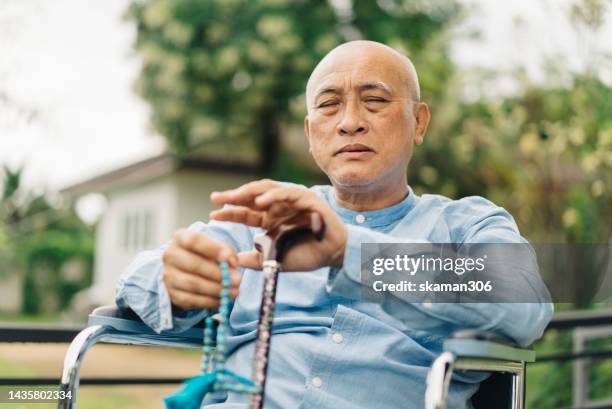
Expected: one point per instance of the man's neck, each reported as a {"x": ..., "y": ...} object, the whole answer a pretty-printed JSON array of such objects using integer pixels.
[{"x": 367, "y": 199}]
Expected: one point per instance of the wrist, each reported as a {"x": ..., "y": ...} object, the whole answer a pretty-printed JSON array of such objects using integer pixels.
[{"x": 337, "y": 258}]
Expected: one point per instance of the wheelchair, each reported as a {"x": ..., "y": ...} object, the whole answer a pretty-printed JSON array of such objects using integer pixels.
[{"x": 466, "y": 351}]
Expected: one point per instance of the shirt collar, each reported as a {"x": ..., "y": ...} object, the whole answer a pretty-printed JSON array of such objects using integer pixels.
[{"x": 373, "y": 218}]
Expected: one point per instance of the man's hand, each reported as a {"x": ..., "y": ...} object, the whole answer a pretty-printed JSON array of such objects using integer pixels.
[
  {"x": 192, "y": 274},
  {"x": 267, "y": 204}
]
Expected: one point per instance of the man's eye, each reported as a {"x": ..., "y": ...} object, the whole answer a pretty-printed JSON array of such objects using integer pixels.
[
  {"x": 328, "y": 104},
  {"x": 375, "y": 100}
]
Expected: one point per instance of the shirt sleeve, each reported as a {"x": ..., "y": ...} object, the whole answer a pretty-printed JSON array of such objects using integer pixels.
[
  {"x": 141, "y": 288},
  {"x": 521, "y": 322}
]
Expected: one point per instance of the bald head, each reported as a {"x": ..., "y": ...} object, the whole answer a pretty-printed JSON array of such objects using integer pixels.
[{"x": 370, "y": 56}]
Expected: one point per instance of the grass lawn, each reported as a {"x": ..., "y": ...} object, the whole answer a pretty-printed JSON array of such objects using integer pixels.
[
  {"x": 89, "y": 397},
  {"x": 33, "y": 318},
  {"x": 35, "y": 360}
]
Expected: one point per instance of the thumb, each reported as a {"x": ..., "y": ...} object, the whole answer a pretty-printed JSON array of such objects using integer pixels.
[{"x": 250, "y": 259}]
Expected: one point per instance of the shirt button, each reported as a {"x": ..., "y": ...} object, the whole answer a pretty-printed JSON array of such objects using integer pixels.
[
  {"x": 427, "y": 304},
  {"x": 360, "y": 218},
  {"x": 316, "y": 382},
  {"x": 337, "y": 338}
]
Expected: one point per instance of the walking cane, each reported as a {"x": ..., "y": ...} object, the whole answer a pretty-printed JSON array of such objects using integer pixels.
[{"x": 273, "y": 245}]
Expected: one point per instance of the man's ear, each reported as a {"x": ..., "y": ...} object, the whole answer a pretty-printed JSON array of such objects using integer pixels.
[
  {"x": 422, "y": 116},
  {"x": 307, "y": 132}
]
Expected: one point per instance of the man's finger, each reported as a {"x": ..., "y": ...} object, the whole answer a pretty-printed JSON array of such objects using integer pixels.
[
  {"x": 184, "y": 281},
  {"x": 266, "y": 220},
  {"x": 296, "y": 198},
  {"x": 242, "y": 215},
  {"x": 188, "y": 301},
  {"x": 278, "y": 212},
  {"x": 180, "y": 280},
  {"x": 235, "y": 279},
  {"x": 202, "y": 245},
  {"x": 250, "y": 259},
  {"x": 245, "y": 194},
  {"x": 193, "y": 263}
]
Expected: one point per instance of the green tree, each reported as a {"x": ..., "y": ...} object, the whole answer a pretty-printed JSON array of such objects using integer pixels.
[
  {"x": 37, "y": 239},
  {"x": 235, "y": 70}
]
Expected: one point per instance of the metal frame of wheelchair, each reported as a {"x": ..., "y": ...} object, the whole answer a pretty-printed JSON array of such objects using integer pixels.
[{"x": 466, "y": 351}]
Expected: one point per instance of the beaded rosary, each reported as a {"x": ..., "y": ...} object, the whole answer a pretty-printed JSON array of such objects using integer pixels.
[{"x": 215, "y": 376}]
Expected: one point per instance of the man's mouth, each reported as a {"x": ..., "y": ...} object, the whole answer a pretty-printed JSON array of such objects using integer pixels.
[{"x": 354, "y": 148}]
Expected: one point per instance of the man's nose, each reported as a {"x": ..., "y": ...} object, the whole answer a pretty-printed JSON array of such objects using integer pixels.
[{"x": 352, "y": 122}]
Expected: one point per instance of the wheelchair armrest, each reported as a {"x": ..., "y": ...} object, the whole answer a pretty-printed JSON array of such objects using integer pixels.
[
  {"x": 127, "y": 322},
  {"x": 482, "y": 352},
  {"x": 485, "y": 345},
  {"x": 114, "y": 325}
]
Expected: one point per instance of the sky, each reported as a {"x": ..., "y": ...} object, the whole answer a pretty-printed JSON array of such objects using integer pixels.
[
  {"x": 67, "y": 107},
  {"x": 68, "y": 69},
  {"x": 523, "y": 33}
]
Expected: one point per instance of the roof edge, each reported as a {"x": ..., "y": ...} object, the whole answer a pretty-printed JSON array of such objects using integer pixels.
[{"x": 154, "y": 167}]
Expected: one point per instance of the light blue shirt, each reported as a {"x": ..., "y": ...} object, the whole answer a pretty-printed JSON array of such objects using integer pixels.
[{"x": 331, "y": 350}]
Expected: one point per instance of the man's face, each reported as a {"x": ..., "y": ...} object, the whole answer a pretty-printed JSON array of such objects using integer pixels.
[{"x": 361, "y": 121}]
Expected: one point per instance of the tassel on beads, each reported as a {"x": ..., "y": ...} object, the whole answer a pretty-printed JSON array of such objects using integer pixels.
[{"x": 193, "y": 392}]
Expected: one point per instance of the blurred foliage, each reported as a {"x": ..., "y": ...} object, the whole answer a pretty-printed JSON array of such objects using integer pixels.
[
  {"x": 224, "y": 68},
  {"x": 546, "y": 156},
  {"x": 549, "y": 385},
  {"x": 50, "y": 247}
]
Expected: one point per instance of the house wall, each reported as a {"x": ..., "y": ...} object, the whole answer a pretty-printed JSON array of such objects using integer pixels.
[
  {"x": 194, "y": 189},
  {"x": 172, "y": 201},
  {"x": 113, "y": 253}
]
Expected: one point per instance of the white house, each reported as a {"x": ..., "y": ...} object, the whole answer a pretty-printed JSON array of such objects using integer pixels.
[{"x": 146, "y": 202}]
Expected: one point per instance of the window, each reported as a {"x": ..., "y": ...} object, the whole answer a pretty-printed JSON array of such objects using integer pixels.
[{"x": 137, "y": 230}]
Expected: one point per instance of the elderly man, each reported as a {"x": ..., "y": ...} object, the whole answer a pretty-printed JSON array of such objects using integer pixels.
[{"x": 330, "y": 348}]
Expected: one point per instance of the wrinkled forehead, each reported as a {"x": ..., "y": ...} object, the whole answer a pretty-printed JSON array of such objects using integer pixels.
[{"x": 350, "y": 70}]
